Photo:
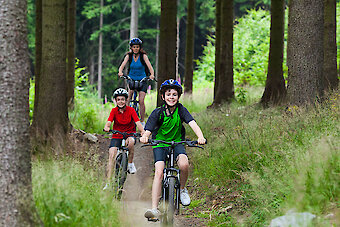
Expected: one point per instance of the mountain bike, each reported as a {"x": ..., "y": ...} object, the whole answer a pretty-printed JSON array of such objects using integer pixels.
[
  {"x": 134, "y": 103},
  {"x": 170, "y": 199},
  {"x": 121, "y": 163}
]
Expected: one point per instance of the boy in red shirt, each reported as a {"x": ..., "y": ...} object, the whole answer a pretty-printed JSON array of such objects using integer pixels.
[{"x": 124, "y": 119}]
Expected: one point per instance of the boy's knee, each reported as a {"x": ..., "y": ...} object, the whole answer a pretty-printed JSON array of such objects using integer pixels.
[{"x": 183, "y": 163}]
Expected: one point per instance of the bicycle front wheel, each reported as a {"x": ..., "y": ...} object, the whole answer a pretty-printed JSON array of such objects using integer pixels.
[
  {"x": 171, "y": 202},
  {"x": 121, "y": 172}
]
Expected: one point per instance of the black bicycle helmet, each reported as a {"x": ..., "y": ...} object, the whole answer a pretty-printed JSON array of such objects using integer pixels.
[
  {"x": 135, "y": 41},
  {"x": 171, "y": 83},
  {"x": 120, "y": 92}
]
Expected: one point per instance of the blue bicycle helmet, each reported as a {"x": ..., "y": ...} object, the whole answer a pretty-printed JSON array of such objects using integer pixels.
[
  {"x": 135, "y": 41},
  {"x": 171, "y": 83}
]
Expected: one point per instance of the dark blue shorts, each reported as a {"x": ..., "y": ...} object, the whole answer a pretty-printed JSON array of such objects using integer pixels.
[
  {"x": 160, "y": 153},
  {"x": 137, "y": 85},
  {"x": 118, "y": 142}
]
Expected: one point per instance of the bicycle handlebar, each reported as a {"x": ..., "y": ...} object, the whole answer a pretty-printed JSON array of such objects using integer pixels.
[
  {"x": 189, "y": 143},
  {"x": 124, "y": 134},
  {"x": 145, "y": 78}
]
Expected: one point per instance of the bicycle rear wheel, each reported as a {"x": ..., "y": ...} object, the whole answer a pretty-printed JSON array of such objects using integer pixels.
[{"x": 120, "y": 173}]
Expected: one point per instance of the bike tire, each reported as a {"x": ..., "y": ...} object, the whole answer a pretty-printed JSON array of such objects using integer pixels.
[
  {"x": 120, "y": 173},
  {"x": 171, "y": 205}
]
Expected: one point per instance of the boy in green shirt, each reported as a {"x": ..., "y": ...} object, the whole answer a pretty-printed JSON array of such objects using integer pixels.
[{"x": 166, "y": 124}]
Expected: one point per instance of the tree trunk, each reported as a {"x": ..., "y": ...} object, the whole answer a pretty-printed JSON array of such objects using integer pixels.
[
  {"x": 71, "y": 50},
  {"x": 305, "y": 51},
  {"x": 275, "y": 90},
  {"x": 134, "y": 19},
  {"x": 217, "y": 45},
  {"x": 167, "y": 43},
  {"x": 225, "y": 90},
  {"x": 38, "y": 52},
  {"x": 189, "y": 47},
  {"x": 100, "y": 50},
  {"x": 51, "y": 121},
  {"x": 16, "y": 201},
  {"x": 157, "y": 49},
  {"x": 330, "y": 56}
]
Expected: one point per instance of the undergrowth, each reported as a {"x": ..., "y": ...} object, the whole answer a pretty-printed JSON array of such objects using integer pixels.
[
  {"x": 271, "y": 161},
  {"x": 69, "y": 194}
]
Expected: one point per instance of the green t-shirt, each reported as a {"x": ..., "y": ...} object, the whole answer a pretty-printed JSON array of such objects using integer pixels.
[{"x": 171, "y": 129}]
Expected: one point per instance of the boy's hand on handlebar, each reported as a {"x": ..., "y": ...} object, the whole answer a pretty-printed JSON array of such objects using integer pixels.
[
  {"x": 152, "y": 77},
  {"x": 144, "y": 139},
  {"x": 106, "y": 129},
  {"x": 201, "y": 140},
  {"x": 120, "y": 74}
]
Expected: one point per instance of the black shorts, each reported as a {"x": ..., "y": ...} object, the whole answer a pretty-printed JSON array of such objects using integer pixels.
[
  {"x": 138, "y": 86},
  {"x": 160, "y": 153},
  {"x": 118, "y": 142}
]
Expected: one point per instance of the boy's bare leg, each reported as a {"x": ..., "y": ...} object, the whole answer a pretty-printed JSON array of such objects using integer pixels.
[
  {"x": 130, "y": 142},
  {"x": 157, "y": 183},
  {"x": 111, "y": 162},
  {"x": 183, "y": 164}
]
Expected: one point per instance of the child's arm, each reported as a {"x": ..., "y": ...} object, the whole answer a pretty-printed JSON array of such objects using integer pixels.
[
  {"x": 107, "y": 126},
  {"x": 198, "y": 132},
  {"x": 145, "y": 137},
  {"x": 140, "y": 127}
]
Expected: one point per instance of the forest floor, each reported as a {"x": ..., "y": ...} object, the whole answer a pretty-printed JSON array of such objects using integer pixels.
[{"x": 137, "y": 188}]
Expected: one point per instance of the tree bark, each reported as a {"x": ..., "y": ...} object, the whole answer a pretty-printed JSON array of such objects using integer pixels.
[
  {"x": 134, "y": 19},
  {"x": 330, "y": 56},
  {"x": 71, "y": 50},
  {"x": 100, "y": 50},
  {"x": 16, "y": 201},
  {"x": 51, "y": 121},
  {"x": 225, "y": 90},
  {"x": 305, "y": 51},
  {"x": 38, "y": 51},
  {"x": 167, "y": 43},
  {"x": 217, "y": 45},
  {"x": 275, "y": 90},
  {"x": 189, "y": 47}
]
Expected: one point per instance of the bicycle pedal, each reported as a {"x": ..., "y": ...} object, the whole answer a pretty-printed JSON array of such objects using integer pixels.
[{"x": 153, "y": 219}]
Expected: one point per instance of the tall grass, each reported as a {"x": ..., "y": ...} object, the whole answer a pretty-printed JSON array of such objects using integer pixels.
[
  {"x": 274, "y": 159},
  {"x": 68, "y": 194}
]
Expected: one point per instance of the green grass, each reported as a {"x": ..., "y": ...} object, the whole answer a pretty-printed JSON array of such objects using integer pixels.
[
  {"x": 68, "y": 194},
  {"x": 276, "y": 159}
]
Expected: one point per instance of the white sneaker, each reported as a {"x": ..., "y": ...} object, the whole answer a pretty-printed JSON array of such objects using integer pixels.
[
  {"x": 152, "y": 214},
  {"x": 132, "y": 168},
  {"x": 184, "y": 196},
  {"x": 107, "y": 186}
]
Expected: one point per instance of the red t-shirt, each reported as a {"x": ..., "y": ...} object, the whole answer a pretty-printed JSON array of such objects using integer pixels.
[{"x": 124, "y": 122}]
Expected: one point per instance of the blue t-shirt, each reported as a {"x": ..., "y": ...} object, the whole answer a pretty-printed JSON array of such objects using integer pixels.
[{"x": 137, "y": 69}]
